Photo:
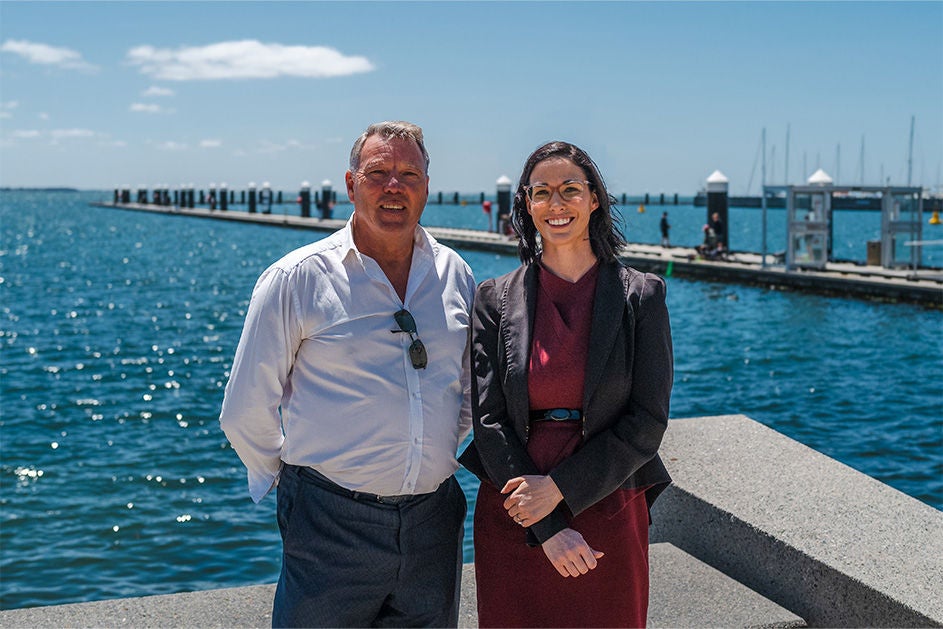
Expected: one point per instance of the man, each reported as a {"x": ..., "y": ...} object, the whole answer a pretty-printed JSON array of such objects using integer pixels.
[
  {"x": 717, "y": 225},
  {"x": 665, "y": 228},
  {"x": 349, "y": 391}
]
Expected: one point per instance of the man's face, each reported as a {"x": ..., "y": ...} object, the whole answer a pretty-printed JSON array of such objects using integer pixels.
[{"x": 390, "y": 188}]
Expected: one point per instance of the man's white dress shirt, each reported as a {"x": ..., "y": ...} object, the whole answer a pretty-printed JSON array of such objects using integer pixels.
[{"x": 320, "y": 379}]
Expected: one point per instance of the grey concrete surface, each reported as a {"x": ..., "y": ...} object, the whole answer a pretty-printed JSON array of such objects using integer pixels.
[
  {"x": 830, "y": 544},
  {"x": 685, "y": 593}
]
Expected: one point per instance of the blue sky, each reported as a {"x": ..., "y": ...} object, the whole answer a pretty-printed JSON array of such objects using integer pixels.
[{"x": 101, "y": 94}]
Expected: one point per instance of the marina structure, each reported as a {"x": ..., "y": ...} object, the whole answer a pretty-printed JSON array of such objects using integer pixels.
[{"x": 891, "y": 282}]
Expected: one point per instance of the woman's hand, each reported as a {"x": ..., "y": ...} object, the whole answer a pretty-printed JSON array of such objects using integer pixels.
[
  {"x": 570, "y": 554},
  {"x": 532, "y": 498}
]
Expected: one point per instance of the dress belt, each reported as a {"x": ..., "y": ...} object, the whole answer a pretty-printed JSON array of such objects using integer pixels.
[
  {"x": 556, "y": 415},
  {"x": 323, "y": 481}
]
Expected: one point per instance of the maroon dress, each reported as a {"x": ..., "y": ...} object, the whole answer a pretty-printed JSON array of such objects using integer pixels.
[{"x": 517, "y": 585}]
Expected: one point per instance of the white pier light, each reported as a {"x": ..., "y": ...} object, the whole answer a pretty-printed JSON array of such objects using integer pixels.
[{"x": 819, "y": 178}]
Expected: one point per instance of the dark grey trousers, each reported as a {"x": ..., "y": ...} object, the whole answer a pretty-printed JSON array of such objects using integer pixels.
[{"x": 352, "y": 562}]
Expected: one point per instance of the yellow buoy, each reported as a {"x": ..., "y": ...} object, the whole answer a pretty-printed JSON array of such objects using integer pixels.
[
  {"x": 641, "y": 209},
  {"x": 935, "y": 218}
]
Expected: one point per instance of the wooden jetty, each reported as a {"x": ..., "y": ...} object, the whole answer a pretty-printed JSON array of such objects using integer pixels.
[{"x": 919, "y": 286}]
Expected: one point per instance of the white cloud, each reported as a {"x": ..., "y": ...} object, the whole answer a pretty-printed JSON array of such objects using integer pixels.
[
  {"x": 42, "y": 115},
  {"x": 172, "y": 146},
  {"x": 7, "y": 107},
  {"x": 246, "y": 59},
  {"x": 157, "y": 91},
  {"x": 59, "y": 134},
  {"x": 210, "y": 144},
  {"x": 146, "y": 108},
  {"x": 268, "y": 146},
  {"x": 54, "y": 134},
  {"x": 44, "y": 54}
]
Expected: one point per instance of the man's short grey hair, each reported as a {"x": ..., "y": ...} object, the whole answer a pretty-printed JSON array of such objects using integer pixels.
[{"x": 386, "y": 130}]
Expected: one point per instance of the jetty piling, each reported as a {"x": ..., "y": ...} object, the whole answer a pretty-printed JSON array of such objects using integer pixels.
[
  {"x": 503, "y": 194},
  {"x": 253, "y": 206},
  {"x": 304, "y": 197},
  {"x": 717, "y": 184},
  {"x": 265, "y": 197},
  {"x": 327, "y": 199}
]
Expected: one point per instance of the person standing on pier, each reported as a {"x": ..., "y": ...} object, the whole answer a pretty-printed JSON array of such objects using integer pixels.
[
  {"x": 717, "y": 225},
  {"x": 571, "y": 378},
  {"x": 665, "y": 228},
  {"x": 349, "y": 391}
]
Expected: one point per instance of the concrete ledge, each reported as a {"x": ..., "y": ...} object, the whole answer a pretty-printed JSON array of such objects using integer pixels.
[
  {"x": 685, "y": 593},
  {"x": 830, "y": 544}
]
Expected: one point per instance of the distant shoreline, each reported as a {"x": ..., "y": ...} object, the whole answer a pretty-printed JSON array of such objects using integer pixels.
[{"x": 9, "y": 189}]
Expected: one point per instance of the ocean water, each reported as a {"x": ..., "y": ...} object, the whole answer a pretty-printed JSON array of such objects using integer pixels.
[{"x": 117, "y": 330}]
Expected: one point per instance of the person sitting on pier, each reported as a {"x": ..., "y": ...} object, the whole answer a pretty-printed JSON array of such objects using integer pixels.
[
  {"x": 712, "y": 248},
  {"x": 572, "y": 372}
]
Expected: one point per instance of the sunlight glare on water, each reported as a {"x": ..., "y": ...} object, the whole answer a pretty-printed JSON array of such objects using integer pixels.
[{"x": 117, "y": 330}]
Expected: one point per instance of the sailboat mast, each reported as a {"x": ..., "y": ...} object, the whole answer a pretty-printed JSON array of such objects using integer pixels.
[
  {"x": 910, "y": 152},
  {"x": 786, "y": 178},
  {"x": 861, "y": 176}
]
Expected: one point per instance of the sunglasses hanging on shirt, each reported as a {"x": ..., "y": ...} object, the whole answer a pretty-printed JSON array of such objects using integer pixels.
[{"x": 407, "y": 325}]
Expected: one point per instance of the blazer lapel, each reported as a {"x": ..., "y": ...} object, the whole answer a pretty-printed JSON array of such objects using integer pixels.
[
  {"x": 519, "y": 305},
  {"x": 609, "y": 305}
]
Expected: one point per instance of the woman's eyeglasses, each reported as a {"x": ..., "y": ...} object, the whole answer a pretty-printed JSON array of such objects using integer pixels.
[
  {"x": 417, "y": 351},
  {"x": 568, "y": 190}
]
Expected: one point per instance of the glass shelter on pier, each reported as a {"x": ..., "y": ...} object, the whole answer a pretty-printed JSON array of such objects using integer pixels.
[{"x": 809, "y": 221}]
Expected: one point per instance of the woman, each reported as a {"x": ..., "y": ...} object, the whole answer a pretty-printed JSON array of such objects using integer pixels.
[{"x": 572, "y": 372}]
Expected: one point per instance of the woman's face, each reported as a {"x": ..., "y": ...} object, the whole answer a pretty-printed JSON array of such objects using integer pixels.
[{"x": 560, "y": 202}]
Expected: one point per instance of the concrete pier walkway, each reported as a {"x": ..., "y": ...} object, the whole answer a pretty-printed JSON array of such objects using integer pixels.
[
  {"x": 685, "y": 593},
  {"x": 920, "y": 286}
]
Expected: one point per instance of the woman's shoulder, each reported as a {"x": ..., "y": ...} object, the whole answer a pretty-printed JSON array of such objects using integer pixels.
[
  {"x": 503, "y": 280},
  {"x": 640, "y": 283}
]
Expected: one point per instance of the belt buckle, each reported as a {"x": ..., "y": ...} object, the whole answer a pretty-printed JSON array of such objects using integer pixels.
[
  {"x": 389, "y": 500},
  {"x": 558, "y": 414}
]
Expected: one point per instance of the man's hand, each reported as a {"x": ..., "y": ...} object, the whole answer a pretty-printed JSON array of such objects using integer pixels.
[
  {"x": 570, "y": 554},
  {"x": 532, "y": 498}
]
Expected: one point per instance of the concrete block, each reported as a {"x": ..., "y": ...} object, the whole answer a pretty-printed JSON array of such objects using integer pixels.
[{"x": 830, "y": 544}]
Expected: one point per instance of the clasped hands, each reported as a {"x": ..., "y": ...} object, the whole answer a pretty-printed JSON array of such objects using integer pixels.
[{"x": 531, "y": 499}]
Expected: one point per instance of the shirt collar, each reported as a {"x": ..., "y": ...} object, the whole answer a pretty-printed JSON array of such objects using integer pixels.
[{"x": 423, "y": 242}]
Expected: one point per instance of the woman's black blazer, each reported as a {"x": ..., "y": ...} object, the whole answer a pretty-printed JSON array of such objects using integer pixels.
[{"x": 629, "y": 373}]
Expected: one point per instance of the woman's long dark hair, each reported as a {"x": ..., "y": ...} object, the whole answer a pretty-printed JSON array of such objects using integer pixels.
[{"x": 605, "y": 233}]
